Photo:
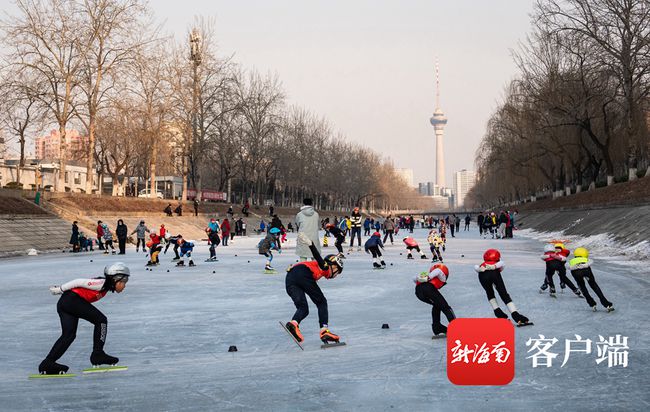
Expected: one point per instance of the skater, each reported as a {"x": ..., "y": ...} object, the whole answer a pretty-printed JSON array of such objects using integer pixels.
[
  {"x": 339, "y": 235},
  {"x": 468, "y": 219},
  {"x": 555, "y": 258},
  {"x": 489, "y": 275},
  {"x": 154, "y": 249},
  {"x": 174, "y": 240},
  {"x": 479, "y": 222},
  {"x": 122, "y": 232},
  {"x": 186, "y": 247},
  {"x": 367, "y": 225},
  {"x": 140, "y": 230},
  {"x": 412, "y": 244},
  {"x": 108, "y": 239},
  {"x": 580, "y": 267},
  {"x": 373, "y": 244},
  {"x": 267, "y": 245},
  {"x": 213, "y": 236},
  {"x": 435, "y": 243},
  {"x": 355, "y": 229},
  {"x": 427, "y": 289},
  {"x": 76, "y": 303},
  {"x": 301, "y": 280}
]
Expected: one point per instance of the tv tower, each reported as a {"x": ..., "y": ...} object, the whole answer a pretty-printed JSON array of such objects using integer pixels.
[{"x": 438, "y": 121}]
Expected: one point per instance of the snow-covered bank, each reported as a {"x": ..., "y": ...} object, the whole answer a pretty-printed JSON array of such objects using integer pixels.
[{"x": 619, "y": 233}]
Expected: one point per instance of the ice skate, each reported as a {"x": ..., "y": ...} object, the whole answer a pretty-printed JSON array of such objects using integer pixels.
[
  {"x": 409, "y": 256},
  {"x": 192, "y": 263},
  {"x": 112, "y": 252},
  {"x": 610, "y": 308},
  {"x": 423, "y": 257},
  {"x": 149, "y": 263},
  {"x": 552, "y": 293},
  {"x": 342, "y": 255},
  {"x": 180, "y": 263},
  {"x": 294, "y": 329},
  {"x": 49, "y": 367},
  {"x": 376, "y": 265},
  {"x": 441, "y": 335},
  {"x": 106, "y": 252},
  {"x": 327, "y": 337},
  {"x": 578, "y": 294},
  {"x": 383, "y": 264},
  {"x": 520, "y": 319},
  {"x": 594, "y": 309},
  {"x": 101, "y": 358},
  {"x": 175, "y": 259},
  {"x": 500, "y": 314}
]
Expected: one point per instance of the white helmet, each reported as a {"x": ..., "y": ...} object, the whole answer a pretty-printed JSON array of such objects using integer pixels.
[
  {"x": 118, "y": 272},
  {"x": 549, "y": 248}
]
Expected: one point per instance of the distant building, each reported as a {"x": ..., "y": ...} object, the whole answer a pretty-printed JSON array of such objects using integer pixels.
[
  {"x": 407, "y": 175},
  {"x": 463, "y": 183},
  {"x": 48, "y": 146}
]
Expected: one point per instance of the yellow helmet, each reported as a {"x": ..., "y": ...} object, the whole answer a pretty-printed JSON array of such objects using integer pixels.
[
  {"x": 581, "y": 252},
  {"x": 559, "y": 245}
]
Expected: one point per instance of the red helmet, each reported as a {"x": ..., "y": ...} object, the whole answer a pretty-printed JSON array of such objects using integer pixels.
[
  {"x": 377, "y": 234},
  {"x": 440, "y": 266},
  {"x": 491, "y": 255}
]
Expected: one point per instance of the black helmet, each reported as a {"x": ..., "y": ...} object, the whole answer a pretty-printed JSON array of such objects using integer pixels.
[{"x": 334, "y": 260}]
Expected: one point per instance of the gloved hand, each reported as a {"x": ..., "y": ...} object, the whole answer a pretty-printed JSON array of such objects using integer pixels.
[
  {"x": 280, "y": 251},
  {"x": 55, "y": 290},
  {"x": 423, "y": 277}
]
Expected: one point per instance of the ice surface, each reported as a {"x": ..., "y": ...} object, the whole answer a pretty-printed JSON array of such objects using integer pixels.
[{"x": 173, "y": 331}]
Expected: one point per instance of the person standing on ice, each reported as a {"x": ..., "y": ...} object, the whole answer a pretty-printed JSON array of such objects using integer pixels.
[
  {"x": 373, "y": 245},
  {"x": 301, "y": 282},
  {"x": 412, "y": 244},
  {"x": 122, "y": 232},
  {"x": 213, "y": 236},
  {"x": 489, "y": 275},
  {"x": 75, "y": 303},
  {"x": 580, "y": 267},
  {"x": 389, "y": 229},
  {"x": 555, "y": 258},
  {"x": 307, "y": 222},
  {"x": 355, "y": 228},
  {"x": 427, "y": 289}
]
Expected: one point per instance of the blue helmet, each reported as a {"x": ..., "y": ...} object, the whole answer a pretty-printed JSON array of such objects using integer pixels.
[{"x": 274, "y": 231}]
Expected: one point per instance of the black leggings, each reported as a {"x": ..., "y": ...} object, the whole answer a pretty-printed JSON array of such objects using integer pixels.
[
  {"x": 557, "y": 266},
  {"x": 339, "y": 243},
  {"x": 122, "y": 244},
  {"x": 71, "y": 307},
  {"x": 491, "y": 279},
  {"x": 435, "y": 251},
  {"x": 138, "y": 245},
  {"x": 428, "y": 293},
  {"x": 389, "y": 232},
  {"x": 587, "y": 275},
  {"x": 356, "y": 231},
  {"x": 300, "y": 281},
  {"x": 375, "y": 251}
]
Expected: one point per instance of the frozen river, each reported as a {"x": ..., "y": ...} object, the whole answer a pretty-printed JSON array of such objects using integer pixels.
[{"x": 173, "y": 330}]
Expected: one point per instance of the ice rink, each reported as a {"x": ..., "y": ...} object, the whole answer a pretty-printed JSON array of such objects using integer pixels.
[{"x": 173, "y": 330}]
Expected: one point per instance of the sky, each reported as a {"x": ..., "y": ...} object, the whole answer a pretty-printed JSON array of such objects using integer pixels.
[{"x": 368, "y": 66}]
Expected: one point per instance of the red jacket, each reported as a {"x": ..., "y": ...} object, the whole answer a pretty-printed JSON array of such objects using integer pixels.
[
  {"x": 550, "y": 256},
  {"x": 162, "y": 231},
  {"x": 316, "y": 271},
  {"x": 410, "y": 242},
  {"x": 225, "y": 227},
  {"x": 100, "y": 231}
]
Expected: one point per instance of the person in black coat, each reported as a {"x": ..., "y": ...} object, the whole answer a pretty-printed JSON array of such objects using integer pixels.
[
  {"x": 122, "y": 232},
  {"x": 74, "y": 238}
]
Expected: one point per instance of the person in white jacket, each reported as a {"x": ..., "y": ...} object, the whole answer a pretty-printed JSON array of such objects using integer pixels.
[{"x": 307, "y": 222}]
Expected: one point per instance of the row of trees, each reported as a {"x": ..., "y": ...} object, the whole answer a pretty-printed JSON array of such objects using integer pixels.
[
  {"x": 577, "y": 114},
  {"x": 153, "y": 105}
]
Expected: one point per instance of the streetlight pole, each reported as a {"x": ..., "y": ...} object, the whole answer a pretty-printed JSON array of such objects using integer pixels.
[{"x": 195, "y": 58}]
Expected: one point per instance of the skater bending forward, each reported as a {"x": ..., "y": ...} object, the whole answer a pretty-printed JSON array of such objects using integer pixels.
[
  {"x": 76, "y": 303},
  {"x": 427, "y": 289},
  {"x": 489, "y": 274},
  {"x": 301, "y": 281},
  {"x": 580, "y": 267}
]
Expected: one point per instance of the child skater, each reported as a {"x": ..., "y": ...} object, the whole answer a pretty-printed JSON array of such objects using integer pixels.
[
  {"x": 435, "y": 242},
  {"x": 75, "y": 303},
  {"x": 489, "y": 274},
  {"x": 186, "y": 247},
  {"x": 174, "y": 240},
  {"x": 339, "y": 235},
  {"x": 373, "y": 244},
  {"x": 555, "y": 258},
  {"x": 154, "y": 249},
  {"x": 267, "y": 245},
  {"x": 580, "y": 267},
  {"x": 412, "y": 244},
  {"x": 427, "y": 289},
  {"x": 301, "y": 280},
  {"x": 108, "y": 239}
]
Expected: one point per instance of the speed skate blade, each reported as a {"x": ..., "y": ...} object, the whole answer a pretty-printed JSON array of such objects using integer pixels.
[
  {"x": 102, "y": 369},
  {"x": 332, "y": 345}
]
